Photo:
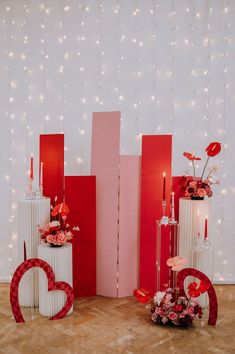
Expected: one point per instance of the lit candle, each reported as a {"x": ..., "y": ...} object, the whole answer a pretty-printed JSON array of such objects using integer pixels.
[
  {"x": 25, "y": 255},
  {"x": 173, "y": 205},
  {"x": 41, "y": 176},
  {"x": 31, "y": 167},
  {"x": 205, "y": 232},
  {"x": 164, "y": 186}
]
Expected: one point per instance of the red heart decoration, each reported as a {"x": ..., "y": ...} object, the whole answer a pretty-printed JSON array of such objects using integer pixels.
[
  {"x": 52, "y": 285},
  {"x": 204, "y": 286}
]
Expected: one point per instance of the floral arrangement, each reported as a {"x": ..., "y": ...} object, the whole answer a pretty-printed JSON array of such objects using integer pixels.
[
  {"x": 57, "y": 232},
  {"x": 200, "y": 187},
  {"x": 170, "y": 307}
]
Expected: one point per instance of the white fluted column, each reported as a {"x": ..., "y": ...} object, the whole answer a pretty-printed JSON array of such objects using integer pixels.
[
  {"x": 60, "y": 260},
  {"x": 192, "y": 214},
  {"x": 30, "y": 214}
]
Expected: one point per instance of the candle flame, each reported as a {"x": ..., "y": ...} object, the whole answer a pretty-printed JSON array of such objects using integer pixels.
[{"x": 164, "y": 174}]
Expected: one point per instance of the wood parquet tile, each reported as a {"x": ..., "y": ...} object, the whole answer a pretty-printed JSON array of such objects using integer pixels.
[{"x": 102, "y": 325}]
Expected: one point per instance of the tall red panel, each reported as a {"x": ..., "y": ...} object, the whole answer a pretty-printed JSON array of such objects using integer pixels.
[
  {"x": 156, "y": 159},
  {"x": 80, "y": 195},
  {"x": 52, "y": 156}
]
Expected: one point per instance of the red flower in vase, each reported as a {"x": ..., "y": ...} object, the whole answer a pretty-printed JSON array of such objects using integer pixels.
[
  {"x": 198, "y": 187},
  {"x": 191, "y": 157},
  {"x": 60, "y": 209},
  {"x": 213, "y": 149}
]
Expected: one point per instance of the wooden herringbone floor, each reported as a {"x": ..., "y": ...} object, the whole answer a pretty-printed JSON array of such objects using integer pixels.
[{"x": 104, "y": 325}]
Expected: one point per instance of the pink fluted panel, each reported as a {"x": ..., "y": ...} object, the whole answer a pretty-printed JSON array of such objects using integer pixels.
[
  {"x": 105, "y": 166},
  {"x": 129, "y": 224}
]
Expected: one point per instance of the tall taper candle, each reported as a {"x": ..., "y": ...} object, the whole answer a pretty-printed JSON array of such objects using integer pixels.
[
  {"x": 172, "y": 205},
  {"x": 31, "y": 167},
  {"x": 25, "y": 254},
  {"x": 41, "y": 177},
  {"x": 205, "y": 231},
  {"x": 164, "y": 186}
]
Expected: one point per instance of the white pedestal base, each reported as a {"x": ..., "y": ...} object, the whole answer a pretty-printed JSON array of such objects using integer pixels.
[
  {"x": 30, "y": 214},
  {"x": 60, "y": 260},
  {"x": 192, "y": 215}
]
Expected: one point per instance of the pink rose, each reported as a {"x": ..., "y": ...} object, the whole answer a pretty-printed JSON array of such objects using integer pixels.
[
  {"x": 201, "y": 192},
  {"x": 193, "y": 184},
  {"x": 51, "y": 238},
  {"x": 172, "y": 316},
  {"x": 61, "y": 238}
]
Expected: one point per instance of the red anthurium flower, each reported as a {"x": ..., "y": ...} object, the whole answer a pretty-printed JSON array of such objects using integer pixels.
[
  {"x": 143, "y": 295},
  {"x": 191, "y": 157},
  {"x": 195, "y": 289},
  {"x": 213, "y": 149},
  {"x": 61, "y": 209}
]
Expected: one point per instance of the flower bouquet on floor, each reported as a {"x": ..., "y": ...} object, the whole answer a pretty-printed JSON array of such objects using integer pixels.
[
  {"x": 57, "y": 232},
  {"x": 172, "y": 308},
  {"x": 200, "y": 187}
]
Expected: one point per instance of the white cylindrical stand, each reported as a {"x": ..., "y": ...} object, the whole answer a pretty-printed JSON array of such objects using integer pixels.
[
  {"x": 30, "y": 214},
  {"x": 192, "y": 214},
  {"x": 60, "y": 260}
]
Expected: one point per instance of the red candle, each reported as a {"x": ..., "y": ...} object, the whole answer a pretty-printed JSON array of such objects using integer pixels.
[
  {"x": 41, "y": 175},
  {"x": 164, "y": 186},
  {"x": 25, "y": 255},
  {"x": 205, "y": 232},
  {"x": 31, "y": 167}
]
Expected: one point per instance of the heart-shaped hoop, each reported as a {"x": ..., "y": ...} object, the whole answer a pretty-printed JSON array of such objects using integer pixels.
[
  {"x": 213, "y": 305},
  {"x": 52, "y": 285}
]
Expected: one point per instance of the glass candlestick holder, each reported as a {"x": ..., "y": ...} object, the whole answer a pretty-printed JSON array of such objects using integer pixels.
[
  {"x": 167, "y": 246},
  {"x": 164, "y": 220}
]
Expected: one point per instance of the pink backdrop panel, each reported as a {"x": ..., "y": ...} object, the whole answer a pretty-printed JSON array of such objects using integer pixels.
[
  {"x": 80, "y": 195},
  {"x": 105, "y": 166},
  {"x": 52, "y": 156},
  {"x": 156, "y": 159},
  {"x": 129, "y": 225}
]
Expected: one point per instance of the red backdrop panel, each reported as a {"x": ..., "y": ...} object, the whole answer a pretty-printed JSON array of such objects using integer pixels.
[
  {"x": 80, "y": 195},
  {"x": 156, "y": 159},
  {"x": 52, "y": 156}
]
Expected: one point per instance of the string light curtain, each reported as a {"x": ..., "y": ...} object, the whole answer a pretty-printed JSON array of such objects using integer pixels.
[{"x": 167, "y": 64}]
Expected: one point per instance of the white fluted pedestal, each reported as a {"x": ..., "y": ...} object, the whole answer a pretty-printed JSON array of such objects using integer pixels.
[
  {"x": 60, "y": 260},
  {"x": 30, "y": 214},
  {"x": 192, "y": 215}
]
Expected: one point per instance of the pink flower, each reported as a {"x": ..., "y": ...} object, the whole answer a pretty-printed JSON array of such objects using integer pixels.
[
  {"x": 190, "y": 310},
  {"x": 193, "y": 184},
  {"x": 69, "y": 235},
  {"x": 201, "y": 192},
  {"x": 61, "y": 238},
  {"x": 172, "y": 316},
  {"x": 51, "y": 238}
]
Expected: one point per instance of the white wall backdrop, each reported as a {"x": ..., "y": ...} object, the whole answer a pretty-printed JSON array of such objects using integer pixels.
[{"x": 167, "y": 65}]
